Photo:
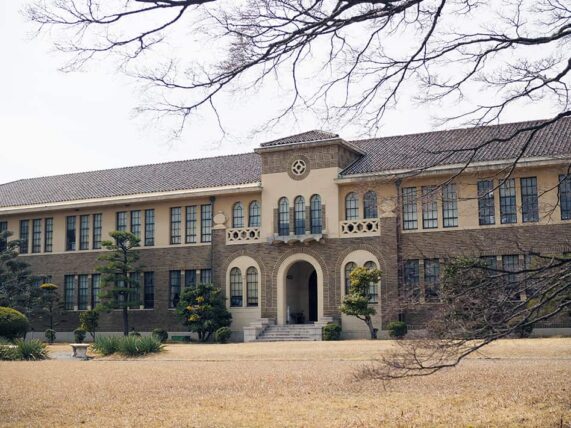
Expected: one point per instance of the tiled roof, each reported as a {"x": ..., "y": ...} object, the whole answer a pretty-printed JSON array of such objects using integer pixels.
[
  {"x": 305, "y": 137},
  {"x": 440, "y": 148},
  {"x": 382, "y": 154},
  {"x": 164, "y": 177}
]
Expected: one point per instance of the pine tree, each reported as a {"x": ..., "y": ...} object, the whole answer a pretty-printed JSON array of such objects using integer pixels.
[{"x": 356, "y": 303}]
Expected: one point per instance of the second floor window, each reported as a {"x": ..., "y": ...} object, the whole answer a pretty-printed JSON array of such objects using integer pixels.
[
  {"x": 97, "y": 231},
  {"x": 283, "y": 217},
  {"x": 175, "y": 225},
  {"x": 254, "y": 214},
  {"x": 48, "y": 235},
  {"x": 3, "y": 228},
  {"x": 508, "y": 210},
  {"x": 299, "y": 215},
  {"x": 206, "y": 223},
  {"x": 84, "y": 232},
  {"x": 351, "y": 206},
  {"x": 565, "y": 196},
  {"x": 529, "y": 200},
  {"x": 36, "y": 235},
  {"x": 449, "y": 205},
  {"x": 370, "y": 205},
  {"x": 236, "y": 289},
  {"x": 149, "y": 227},
  {"x": 24, "y": 236},
  {"x": 486, "y": 206},
  {"x": 238, "y": 215},
  {"x": 409, "y": 212},
  {"x": 429, "y": 208},
  {"x": 121, "y": 221},
  {"x": 191, "y": 218},
  {"x": 136, "y": 223},
  {"x": 315, "y": 214},
  {"x": 70, "y": 239}
]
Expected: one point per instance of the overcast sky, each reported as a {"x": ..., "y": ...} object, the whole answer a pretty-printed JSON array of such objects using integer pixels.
[{"x": 54, "y": 123}]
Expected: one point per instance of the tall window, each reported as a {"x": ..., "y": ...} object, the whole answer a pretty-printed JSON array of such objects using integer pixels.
[
  {"x": 370, "y": 205},
  {"x": 490, "y": 262},
  {"x": 175, "y": 225},
  {"x": 508, "y": 211},
  {"x": 3, "y": 228},
  {"x": 206, "y": 276},
  {"x": 48, "y": 235},
  {"x": 83, "y": 295},
  {"x": 254, "y": 214},
  {"x": 236, "y": 289},
  {"x": 95, "y": 287},
  {"x": 412, "y": 280},
  {"x": 449, "y": 205},
  {"x": 206, "y": 223},
  {"x": 486, "y": 206},
  {"x": 373, "y": 286},
  {"x": 565, "y": 196},
  {"x": 134, "y": 297},
  {"x": 238, "y": 215},
  {"x": 409, "y": 212},
  {"x": 351, "y": 206},
  {"x": 24, "y": 236},
  {"x": 84, "y": 232},
  {"x": 149, "y": 290},
  {"x": 529, "y": 202},
  {"x": 36, "y": 235},
  {"x": 174, "y": 288},
  {"x": 97, "y": 227},
  {"x": 121, "y": 221},
  {"x": 315, "y": 216},
  {"x": 283, "y": 217},
  {"x": 136, "y": 223},
  {"x": 299, "y": 215},
  {"x": 190, "y": 278},
  {"x": 429, "y": 208},
  {"x": 511, "y": 264},
  {"x": 149, "y": 227},
  {"x": 70, "y": 240},
  {"x": 68, "y": 281},
  {"x": 431, "y": 280},
  {"x": 252, "y": 286},
  {"x": 190, "y": 237},
  {"x": 348, "y": 269}
]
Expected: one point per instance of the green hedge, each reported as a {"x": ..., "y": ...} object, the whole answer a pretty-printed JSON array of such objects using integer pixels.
[{"x": 13, "y": 324}]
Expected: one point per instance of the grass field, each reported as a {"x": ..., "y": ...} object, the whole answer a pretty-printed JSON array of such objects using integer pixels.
[{"x": 511, "y": 383}]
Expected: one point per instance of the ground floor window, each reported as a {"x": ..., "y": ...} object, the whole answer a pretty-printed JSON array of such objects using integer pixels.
[
  {"x": 235, "y": 287},
  {"x": 149, "y": 290}
]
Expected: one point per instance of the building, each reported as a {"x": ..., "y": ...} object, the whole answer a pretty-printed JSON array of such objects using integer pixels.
[{"x": 280, "y": 229}]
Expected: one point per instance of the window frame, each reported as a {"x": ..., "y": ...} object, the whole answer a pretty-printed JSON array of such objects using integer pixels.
[
  {"x": 68, "y": 294},
  {"x": 36, "y": 235},
  {"x": 373, "y": 286},
  {"x": 429, "y": 207},
  {"x": 191, "y": 221},
  {"x": 449, "y": 205},
  {"x": 237, "y": 215},
  {"x": 486, "y": 202},
  {"x": 135, "y": 223},
  {"x": 370, "y": 207},
  {"x": 347, "y": 269},
  {"x": 315, "y": 214},
  {"x": 409, "y": 208},
  {"x": 283, "y": 217},
  {"x": 254, "y": 214},
  {"x": 508, "y": 201},
  {"x": 236, "y": 288},
  {"x": 97, "y": 231},
  {"x": 351, "y": 206},
  {"x": 175, "y": 226},
  {"x": 148, "y": 290},
  {"x": 564, "y": 193},
  {"x": 174, "y": 287},
  {"x": 299, "y": 215},
  {"x": 48, "y": 235},
  {"x": 206, "y": 223},
  {"x": 432, "y": 280},
  {"x": 149, "y": 227},
  {"x": 70, "y": 233},
  {"x": 121, "y": 221},
  {"x": 82, "y": 292},
  {"x": 529, "y": 200},
  {"x": 95, "y": 288},
  {"x": 252, "y": 284},
  {"x": 84, "y": 232},
  {"x": 411, "y": 282}
]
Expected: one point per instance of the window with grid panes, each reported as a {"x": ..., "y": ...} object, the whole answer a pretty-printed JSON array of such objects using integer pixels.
[
  {"x": 432, "y": 280},
  {"x": 149, "y": 227},
  {"x": 486, "y": 206},
  {"x": 97, "y": 231},
  {"x": 191, "y": 220},
  {"x": 409, "y": 212},
  {"x": 449, "y": 205},
  {"x": 299, "y": 215},
  {"x": 429, "y": 208},
  {"x": 236, "y": 289},
  {"x": 206, "y": 223},
  {"x": 84, "y": 232},
  {"x": 529, "y": 200},
  {"x": 508, "y": 209},
  {"x": 37, "y": 235},
  {"x": 175, "y": 225},
  {"x": 252, "y": 286}
]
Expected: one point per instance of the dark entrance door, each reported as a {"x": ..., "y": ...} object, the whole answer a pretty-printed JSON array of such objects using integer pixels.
[{"x": 312, "y": 289}]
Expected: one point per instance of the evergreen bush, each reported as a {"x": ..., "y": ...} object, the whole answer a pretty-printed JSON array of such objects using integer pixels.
[
  {"x": 161, "y": 334},
  {"x": 50, "y": 335},
  {"x": 222, "y": 335},
  {"x": 13, "y": 324},
  {"x": 331, "y": 331},
  {"x": 79, "y": 335},
  {"x": 397, "y": 329}
]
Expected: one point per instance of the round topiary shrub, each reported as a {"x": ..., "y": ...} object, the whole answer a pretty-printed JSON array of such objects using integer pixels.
[
  {"x": 331, "y": 331},
  {"x": 222, "y": 335},
  {"x": 161, "y": 334},
  {"x": 50, "y": 335},
  {"x": 397, "y": 329},
  {"x": 13, "y": 324},
  {"x": 79, "y": 335}
]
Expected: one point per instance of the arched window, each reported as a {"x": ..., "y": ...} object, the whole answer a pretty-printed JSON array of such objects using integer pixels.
[
  {"x": 316, "y": 221},
  {"x": 254, "y": 217},
  {"x": 237, "y": 215},
  {"x": 299, "y": 215},
  {"x": 370, "y": 205},
  {"x": 236, "y": 289},
  {"x": 252, "y": 286},
  {"x": 283, "y": 217},
  {"x": 348, "y": 269},
  {"x": 373, "y": 286},
  {"x": 351, "y": 206}
]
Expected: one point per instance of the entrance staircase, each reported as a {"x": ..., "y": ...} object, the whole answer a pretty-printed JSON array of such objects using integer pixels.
[{"x": 292, "y": 332}]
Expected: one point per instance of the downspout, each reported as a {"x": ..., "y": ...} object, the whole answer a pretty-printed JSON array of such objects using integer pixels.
[
  {"x": 212, "y": 200},
  {"x": 400, "y": 279}
]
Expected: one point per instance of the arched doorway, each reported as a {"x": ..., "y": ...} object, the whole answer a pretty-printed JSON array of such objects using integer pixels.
[{"x": 300, "y": 290}]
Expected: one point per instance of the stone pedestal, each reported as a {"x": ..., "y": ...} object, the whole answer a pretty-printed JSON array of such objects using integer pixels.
[{"x": 79, "y": 350}]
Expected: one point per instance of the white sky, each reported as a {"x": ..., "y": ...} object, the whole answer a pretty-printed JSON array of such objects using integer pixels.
[{"x": 55, "y": 123}]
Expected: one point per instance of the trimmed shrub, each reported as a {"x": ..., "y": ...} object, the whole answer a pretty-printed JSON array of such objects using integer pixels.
[
  {"x": 331, "y": 331},
  {"x": 106, "y": 345},
  {"x": 50, "y": 335},
  {"x": 161, "y": 334},
  {"x": 222, "y": 335},
  {"x": 31, "y": 349},
  {"x": 13, "y": 324},
  {"x": 79, "y": 335},
  {"x": 134, "y": 333},
  {"x": 397, "y": 329},
  {"x": 525, "y": 331}
]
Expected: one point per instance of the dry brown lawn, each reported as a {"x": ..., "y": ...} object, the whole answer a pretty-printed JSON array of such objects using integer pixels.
[{"x": 512, "y": 383}]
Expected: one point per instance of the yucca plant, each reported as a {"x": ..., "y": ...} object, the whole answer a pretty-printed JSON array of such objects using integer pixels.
[
  {"x": 31, "y": 349},
  {"x": 106, "y": 345}
]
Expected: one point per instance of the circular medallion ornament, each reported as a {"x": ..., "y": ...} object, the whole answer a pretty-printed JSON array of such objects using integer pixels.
[{"x": 299, "y": 168}]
